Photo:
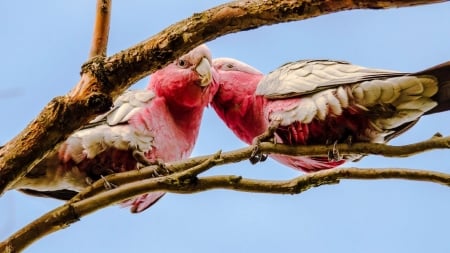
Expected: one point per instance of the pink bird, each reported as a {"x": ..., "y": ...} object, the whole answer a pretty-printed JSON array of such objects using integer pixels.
[
  {"x": 325, "y": 102},
  {"x": 158, "y": 124}
]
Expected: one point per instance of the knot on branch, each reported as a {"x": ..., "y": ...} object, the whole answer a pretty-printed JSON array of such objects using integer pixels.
[
  {"x": 187, "y": 180},
  {"x": 99, "y": 102},
  {"x": 437, "y": 135},
  {"x": 73, "y": 215},
  {"x": 234, "y": 179},
  {"x": 178, "y": 182},
  {"x": 96, "y": 67},
  {"x": 308, "y": 181}
]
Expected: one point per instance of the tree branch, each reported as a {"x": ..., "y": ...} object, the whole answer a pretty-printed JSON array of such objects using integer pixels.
[
  {"x": 72, "y": 211},
  {"x": 435, "y": 142},
  {"x": 104, "y": 79},
  {"x": 184, "y": 180},
  {"x": 307, "y": 181},
  {"x": 220, "y": 158},
  {"x": 101, "y": 29}
]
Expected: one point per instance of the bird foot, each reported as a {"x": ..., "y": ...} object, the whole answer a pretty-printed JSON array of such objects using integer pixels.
[
  {"x": 268, "y": 135},
  {"x": 108, "y": 185},
  {"x": 89, "y": 180},
  {"x": 141, "y": 160},
  {"x": 349, "y": 140},
  {"x": 257, "y": 156},
  {"x": 162, "y": 169},
  {"x": 333, "y": 154}
]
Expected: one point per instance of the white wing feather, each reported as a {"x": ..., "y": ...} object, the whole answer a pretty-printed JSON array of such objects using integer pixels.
[
  {"x": 110, "y": 130},
  {"x": 328, "y": 87},
  {"x": 124, "y": 107},
  {"x": 311, "y": 76}
]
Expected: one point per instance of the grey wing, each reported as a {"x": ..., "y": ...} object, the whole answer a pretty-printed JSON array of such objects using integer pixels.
[
  {"x": 125, "y": 106},
  {"x": 62, "y": 194},
  {"x": 311, "y": 76}
]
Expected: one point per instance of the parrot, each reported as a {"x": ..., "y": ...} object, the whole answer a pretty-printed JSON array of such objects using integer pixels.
[
  {"x": 324, "y": 102},
  {"x": 150, "y": 126}
]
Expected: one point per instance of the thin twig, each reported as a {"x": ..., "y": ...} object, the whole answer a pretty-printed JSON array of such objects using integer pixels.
[
  {"x": 100, "y": 35},
  {"x": 207, "y": 164},
  {"x": 308, "y": 181}
]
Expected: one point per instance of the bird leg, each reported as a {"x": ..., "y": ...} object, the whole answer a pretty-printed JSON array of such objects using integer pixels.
[
  {"x": 333, "y": 154},
  {"x": 89, "y": 180},
  {"x": 161, "y": 170},
  {"x": 349, "y": 140},
  {"x": 107, "y": 184},
  {"x": 142, "y": 162},
  {"x": 268, "y": 135}
]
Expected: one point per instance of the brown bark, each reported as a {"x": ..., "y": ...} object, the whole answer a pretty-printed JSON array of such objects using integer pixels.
[
  {"x": 71, "y": 212},
  {"x": 100, "y": 35},
  {"x": 244, "y": 153},
  {"x": 185, "y": 180}
]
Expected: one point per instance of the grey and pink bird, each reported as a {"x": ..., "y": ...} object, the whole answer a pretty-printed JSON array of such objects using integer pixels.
[
  {"x": 325, "y": 102},
  {"x": 160, "y": 123}
]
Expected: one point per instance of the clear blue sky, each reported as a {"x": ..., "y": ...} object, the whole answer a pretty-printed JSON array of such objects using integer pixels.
[{"x": 43, "y": 43}]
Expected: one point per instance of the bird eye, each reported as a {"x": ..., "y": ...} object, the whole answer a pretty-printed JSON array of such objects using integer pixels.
[
  {"x": 182, "y": 63},
  {"x": 230, "y": 66}
]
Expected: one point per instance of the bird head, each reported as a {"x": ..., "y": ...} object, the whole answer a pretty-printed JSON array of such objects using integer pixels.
[
  {"x": 188, "y": 80},
  {"x": 234, "y": 79}
]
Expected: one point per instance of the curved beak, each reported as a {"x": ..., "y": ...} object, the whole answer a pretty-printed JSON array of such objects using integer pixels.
[{"x": 204, "y": 71}]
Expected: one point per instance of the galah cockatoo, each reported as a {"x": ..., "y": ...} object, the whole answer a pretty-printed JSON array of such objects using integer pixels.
[
  {"x": 325, "y": 102},
  {"x": 158, "y": 124}
]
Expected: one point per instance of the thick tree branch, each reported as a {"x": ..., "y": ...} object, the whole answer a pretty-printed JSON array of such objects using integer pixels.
[
  {"x": 184, "y": 180},
  {"x": 178, "y": 183},
  {"x": 101, "y": 28},
  {"x": 71, "y": 212},
  {"x": 436, "y": 142},
  {"x": 103, "y": 79}
]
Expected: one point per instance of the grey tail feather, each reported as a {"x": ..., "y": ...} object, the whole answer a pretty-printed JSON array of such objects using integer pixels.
[
  {"x": 442, "y": 73},
  {"x": 58, "y": 194}
]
